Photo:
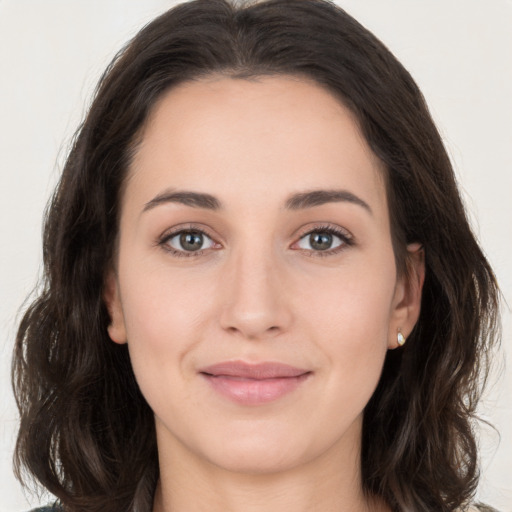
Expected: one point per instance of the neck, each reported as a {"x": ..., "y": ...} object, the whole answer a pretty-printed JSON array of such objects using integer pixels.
[
  {"x": 269, "y": 494},
  {"x": 330, "y": 483}
]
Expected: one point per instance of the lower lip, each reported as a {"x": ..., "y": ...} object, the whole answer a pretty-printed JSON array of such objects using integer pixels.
[{"x": 246, "y": 391}]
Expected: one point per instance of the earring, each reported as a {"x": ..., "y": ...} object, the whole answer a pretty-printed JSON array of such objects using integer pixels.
[{"x": 400, "y": 338}]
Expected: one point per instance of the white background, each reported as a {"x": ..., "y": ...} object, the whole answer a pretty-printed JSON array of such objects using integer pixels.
[{"x": 53, "y": 52}]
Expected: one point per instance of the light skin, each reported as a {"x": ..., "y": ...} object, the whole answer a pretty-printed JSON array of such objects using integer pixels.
[{"x": 281, "y": 275}]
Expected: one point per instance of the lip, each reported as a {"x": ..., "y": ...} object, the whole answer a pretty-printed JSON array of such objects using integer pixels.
[{"x": 253, "y": 384}]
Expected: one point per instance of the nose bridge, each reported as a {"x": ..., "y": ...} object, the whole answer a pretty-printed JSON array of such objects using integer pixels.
[{"x": 254, "y": 302}]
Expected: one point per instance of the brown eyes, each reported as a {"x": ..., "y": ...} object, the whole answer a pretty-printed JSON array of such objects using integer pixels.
[{"x": 318, "y": 241}]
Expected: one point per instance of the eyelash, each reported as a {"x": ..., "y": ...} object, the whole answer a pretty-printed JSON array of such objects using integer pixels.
[
  {"x": 345, "y": 237},
  {"x": 163, "y": 241}
]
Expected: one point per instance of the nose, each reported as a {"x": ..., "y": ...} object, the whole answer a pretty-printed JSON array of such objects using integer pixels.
[{"x": 254, "y": 297}]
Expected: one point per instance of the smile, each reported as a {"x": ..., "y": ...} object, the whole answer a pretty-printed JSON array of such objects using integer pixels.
[{"x": 253, "y": 384}]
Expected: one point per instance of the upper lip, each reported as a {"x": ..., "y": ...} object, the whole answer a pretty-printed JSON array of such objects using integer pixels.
[{"x": 259, "y": 371}]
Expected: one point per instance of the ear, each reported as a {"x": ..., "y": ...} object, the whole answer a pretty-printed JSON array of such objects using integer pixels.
[
  {"x": 407, "y": 298},
  {"x": 116, "y": 328}
]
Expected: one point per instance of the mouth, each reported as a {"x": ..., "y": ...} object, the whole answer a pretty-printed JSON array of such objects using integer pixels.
[{"x": 253, "y": 384}]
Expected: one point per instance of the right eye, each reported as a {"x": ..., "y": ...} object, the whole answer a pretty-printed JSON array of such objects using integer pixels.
[{"x": 187, "y": 242}]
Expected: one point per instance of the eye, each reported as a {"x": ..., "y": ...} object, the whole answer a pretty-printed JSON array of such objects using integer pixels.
[
  {"x": 327, "y": 240},
  {"x": 187, "y": 241}
]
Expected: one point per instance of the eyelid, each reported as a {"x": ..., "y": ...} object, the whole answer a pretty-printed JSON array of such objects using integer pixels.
[
  {"x": 334, "y": 228},
  {"x": 343, "y": 234},
  {"x": 164, "y": 238}
]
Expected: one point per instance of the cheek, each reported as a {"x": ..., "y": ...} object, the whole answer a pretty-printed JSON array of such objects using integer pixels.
[
  {"x": 164, "y": 313},
  {"x": 165, "y": 317},
  {"x": 159, "y": 307},
  {"x": 353, "y": 305},
  {"x": 349, "y": 318}
]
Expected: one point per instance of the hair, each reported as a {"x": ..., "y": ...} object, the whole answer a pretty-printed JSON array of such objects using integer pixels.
[{"x": 86, "y": 433}]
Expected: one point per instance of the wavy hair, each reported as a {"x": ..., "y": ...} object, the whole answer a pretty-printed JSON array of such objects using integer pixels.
[{"x": 86, "y": 432}]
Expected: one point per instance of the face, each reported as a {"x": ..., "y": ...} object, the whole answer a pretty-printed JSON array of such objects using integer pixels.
[{"x": 255, "y": 282}]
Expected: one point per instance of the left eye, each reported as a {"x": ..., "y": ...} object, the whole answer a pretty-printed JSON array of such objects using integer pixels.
[
  {"x": 190, "y": 241},
  {"x": 320, "y": 241}
]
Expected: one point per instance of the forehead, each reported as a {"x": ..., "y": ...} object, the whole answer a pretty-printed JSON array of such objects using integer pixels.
[{"x": 237, "y": 138}]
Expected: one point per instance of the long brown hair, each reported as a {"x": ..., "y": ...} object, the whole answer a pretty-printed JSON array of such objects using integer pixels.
[{"x": 87, "y": 434}]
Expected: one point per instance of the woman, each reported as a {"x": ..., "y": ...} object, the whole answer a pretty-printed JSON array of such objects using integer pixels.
[{"x": 262, "y": 292}]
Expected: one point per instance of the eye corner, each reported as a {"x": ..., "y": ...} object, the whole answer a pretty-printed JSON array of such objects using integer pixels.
[
  {"x": 176, "y": 249},
  {"x": 330, "y": 233}
]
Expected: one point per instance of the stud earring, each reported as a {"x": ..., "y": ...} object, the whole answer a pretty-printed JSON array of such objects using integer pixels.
[{"x": 400, "y": 338}]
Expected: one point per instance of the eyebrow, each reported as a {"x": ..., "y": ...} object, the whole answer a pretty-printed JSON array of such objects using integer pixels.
[
  {"x": 298, "y": 201},
  {"x": 193, "y": 199},
  {"x": 313, "y": 198}
]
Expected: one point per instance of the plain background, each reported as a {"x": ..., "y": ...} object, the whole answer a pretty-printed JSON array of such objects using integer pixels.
[{"x": 53, "y": 52}]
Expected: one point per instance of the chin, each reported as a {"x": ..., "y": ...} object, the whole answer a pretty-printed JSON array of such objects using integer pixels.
[
  {"x": 261, "y": 460},
  {"x": 264, "y": 452}
]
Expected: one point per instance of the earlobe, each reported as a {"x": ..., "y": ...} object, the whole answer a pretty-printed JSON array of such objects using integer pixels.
[
  {"x": 116, "y": 328},
  {"x": 408, "y": 297}
]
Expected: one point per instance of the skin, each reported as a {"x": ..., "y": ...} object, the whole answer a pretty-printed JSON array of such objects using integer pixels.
[{"x": 259, "y": 291}]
